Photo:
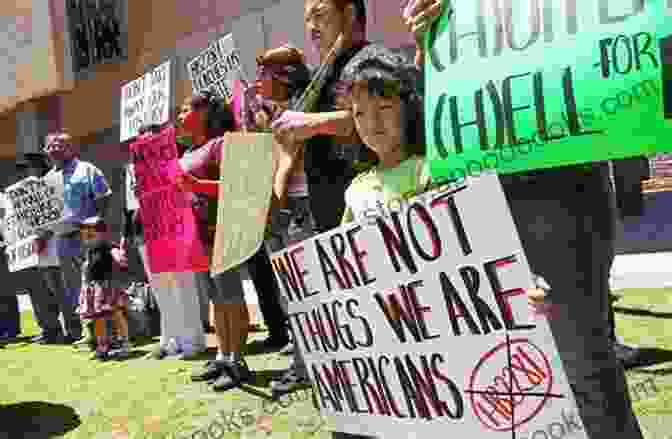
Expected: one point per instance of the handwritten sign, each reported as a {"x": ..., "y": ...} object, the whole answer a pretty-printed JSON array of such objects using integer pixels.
[
  {"x": 33, "y": 204},
  {"x": 216, "y": 67},
  {"x": 22, "y": 255},
  {"x": 30, "y": 205},
  {"x": 146, "y": 100},
  {"x": 170, "y": 227},
  {"x": 516, "y": 85},
  {"x": 416, "y": 323},
  {"x": 244, "y": 198}
]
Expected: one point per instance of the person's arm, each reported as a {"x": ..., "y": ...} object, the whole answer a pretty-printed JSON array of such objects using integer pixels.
[
  {"x": 294, "y": 126},
  {"x": 101, "y": 191},
  {"x": 189, "y": 183},
  {"x": 419, "y": 15}
]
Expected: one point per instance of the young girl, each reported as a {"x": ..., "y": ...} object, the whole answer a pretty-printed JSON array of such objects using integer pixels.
[
  {"x": 387, "y": 111},
  {"x": 102, "y": 299}
]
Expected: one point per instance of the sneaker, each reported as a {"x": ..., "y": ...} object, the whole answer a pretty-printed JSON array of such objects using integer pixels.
[
  {"x": 163, "y": 350},
  {"x": 288, "y": 349},
  {"x": 121, "y": 352},
  {"x": 158, "y": 353},
  {"x": 210, "y": 371},
  {"x": 290, "y": 382},
  {"x": 234, "y": 374}
]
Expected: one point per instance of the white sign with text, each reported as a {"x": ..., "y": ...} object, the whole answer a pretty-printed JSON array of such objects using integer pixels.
[
  {"x": 146, "y": 100},
  {"x": 216, "y": 67},
  {"x": 415, "y": 323}
]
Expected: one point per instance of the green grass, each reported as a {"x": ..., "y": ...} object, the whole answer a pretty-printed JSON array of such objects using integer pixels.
[{"x": 55, "y": 391}]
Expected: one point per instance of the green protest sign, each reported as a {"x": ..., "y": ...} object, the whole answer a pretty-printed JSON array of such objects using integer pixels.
[{"x": 517, "y": 85}]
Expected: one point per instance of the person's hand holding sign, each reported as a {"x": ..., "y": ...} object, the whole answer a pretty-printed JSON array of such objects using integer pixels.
[
  {"x": 189, "y": 183},
  {"x": 537, "y": 298},
  {"x": 419, "y": 15}
]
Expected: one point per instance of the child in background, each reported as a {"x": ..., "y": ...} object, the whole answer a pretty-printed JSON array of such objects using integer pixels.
[{"x": 102, "y": 298}]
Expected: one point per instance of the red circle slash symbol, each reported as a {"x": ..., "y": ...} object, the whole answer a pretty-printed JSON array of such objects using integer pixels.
[{"x": 510, "y": 385}]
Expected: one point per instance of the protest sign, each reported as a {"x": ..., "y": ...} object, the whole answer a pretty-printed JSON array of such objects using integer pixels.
[
  {"x": 416, "y": 323},
  {"x": 22, "y": 255},
  {"x": 18, "y": 230},
  {"x": 32, "y": 204},
  {"x": 244, "y": 197},
  {"x": 170, "y": 227},
  {"x": 146, "y": 100},
  {"x": 216, "y": 67},
  {"x": 521, "y": 85}
]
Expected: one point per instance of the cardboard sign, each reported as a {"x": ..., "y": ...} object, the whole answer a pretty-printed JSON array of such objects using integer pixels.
[
  {"x": 416, "y": 324},
  {"x": 521, "y": 85},
  {"x": 216, "y": 67},
  {"x": 146, "y": 100},
  {"x": 171, "y": 233},
  {"x": 32, "y": 204},
  {"x": 244, "y": 198}
]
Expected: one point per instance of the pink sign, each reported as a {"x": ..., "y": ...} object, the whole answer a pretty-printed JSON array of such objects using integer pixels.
[{"x": 171, "y": 229}]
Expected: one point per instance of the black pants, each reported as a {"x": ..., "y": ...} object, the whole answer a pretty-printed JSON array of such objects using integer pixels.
[
  {"x": 10, "y": 318},
  {"x": 261, "y": 273}
]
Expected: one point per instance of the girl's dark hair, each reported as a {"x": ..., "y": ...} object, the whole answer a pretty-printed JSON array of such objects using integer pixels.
[
  {"x": 100, "y": 262},
  {"x": 218, "y": 117},
  {"x": 379, "y": 67}
]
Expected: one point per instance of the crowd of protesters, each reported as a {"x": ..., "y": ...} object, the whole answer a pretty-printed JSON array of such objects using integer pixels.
[{"x": 356, "y": 149}]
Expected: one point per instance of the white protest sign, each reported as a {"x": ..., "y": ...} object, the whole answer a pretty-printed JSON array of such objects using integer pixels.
[
  {"x": 146, "y": 100},
  {"x": 22, "y": 255},
  {"x": 18, "y": 233},
  {"x": 417, "y": 324},
  {"x": 32, "y": 204},
  {"x": 215, "y": 68}
]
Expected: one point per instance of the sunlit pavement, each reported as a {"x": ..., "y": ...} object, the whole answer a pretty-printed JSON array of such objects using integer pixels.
[{"x": 645, "y": 270}]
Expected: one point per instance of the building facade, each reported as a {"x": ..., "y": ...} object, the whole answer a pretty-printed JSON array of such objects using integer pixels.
[{"x": 95, "y": 46}]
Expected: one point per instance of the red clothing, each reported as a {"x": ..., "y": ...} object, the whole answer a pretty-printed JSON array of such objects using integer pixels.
[{"x": 208, "y": 187}]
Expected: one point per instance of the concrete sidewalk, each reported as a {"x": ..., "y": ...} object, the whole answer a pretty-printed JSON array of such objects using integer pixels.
[{"x": 644, "y": 270}]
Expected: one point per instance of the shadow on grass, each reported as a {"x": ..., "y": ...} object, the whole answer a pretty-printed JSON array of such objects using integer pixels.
[
  {"x": 263, "y": 378},
  {"x": 143, "y": 341},
  {"x": 37, "y": 420},
  {"x": 652, "y": 356},
  {"x": 642, "y": 312},
  {"x": 16, "y": 340}
]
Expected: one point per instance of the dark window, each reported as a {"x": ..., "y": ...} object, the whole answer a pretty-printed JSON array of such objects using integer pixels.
[{"x": 97, "y": 31}]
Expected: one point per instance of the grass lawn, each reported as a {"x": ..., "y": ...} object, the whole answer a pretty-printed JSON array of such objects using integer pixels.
[{"x": 56, "y": 391}]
